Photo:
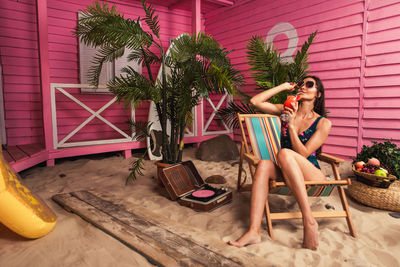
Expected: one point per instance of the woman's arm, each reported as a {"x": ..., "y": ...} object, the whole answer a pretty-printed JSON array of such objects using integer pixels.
[
  {"x": 261, "y": 100},
  {"x": 315, "y": 142}
]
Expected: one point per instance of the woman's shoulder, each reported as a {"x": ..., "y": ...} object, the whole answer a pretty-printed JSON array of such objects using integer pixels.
[{"x": 324, "y": 123}]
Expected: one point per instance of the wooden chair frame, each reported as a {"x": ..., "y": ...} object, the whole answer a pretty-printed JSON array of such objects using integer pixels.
[{"x": 252, "y": 160}]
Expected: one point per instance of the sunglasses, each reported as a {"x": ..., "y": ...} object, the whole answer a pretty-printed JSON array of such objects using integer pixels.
[{"x": 309, "y": 84}]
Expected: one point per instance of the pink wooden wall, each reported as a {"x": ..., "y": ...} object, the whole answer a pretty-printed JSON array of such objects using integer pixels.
[
  {"x": 19, "y": 55},
  {"x": 21, "y": 77},
  {"x": 355, "y": 53}
]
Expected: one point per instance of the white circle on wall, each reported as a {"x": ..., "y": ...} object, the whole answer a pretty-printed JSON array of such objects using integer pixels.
[{"x": 290, "y": 31}]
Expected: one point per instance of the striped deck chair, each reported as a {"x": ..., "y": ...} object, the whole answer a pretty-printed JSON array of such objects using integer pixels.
[{"x": 263, "y": 132}]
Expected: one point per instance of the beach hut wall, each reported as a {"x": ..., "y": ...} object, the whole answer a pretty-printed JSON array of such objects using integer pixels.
[{"x": 355, "y": 53}]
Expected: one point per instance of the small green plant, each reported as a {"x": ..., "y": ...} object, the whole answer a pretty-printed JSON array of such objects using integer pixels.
[{"x": 387, "y": 152}]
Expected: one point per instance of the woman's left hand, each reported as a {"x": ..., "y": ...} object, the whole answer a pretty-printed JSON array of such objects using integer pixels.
[{"x": 292, "y": 112}]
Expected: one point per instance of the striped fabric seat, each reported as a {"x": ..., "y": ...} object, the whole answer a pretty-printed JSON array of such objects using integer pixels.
[{"x": 265, "y": 139}]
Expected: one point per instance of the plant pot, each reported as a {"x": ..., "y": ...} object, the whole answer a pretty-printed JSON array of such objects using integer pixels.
[{"x": 160, "y": 166}]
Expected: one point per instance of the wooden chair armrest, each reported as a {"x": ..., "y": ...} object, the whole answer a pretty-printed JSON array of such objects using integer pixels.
[
  {"x": 250, "y": 158},
  {"x": 329, "y": 158}
]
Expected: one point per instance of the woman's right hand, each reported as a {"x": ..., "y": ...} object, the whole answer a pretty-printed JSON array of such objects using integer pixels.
[{"x": 289, "y": 86}]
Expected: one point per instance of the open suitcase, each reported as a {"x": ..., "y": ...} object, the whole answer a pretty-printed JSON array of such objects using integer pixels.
[{"x": 184, "y": 183}]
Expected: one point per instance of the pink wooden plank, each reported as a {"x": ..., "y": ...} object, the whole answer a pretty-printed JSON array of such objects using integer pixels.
[
  {"x": 17, "y": 132},
  {"x": 343, "y": 122},
  {"x": 7, "y": 156},
  {"x": 340, "y": 150},
  {"x": 78, "y": 151},
  {"x": 385, "y": 36},
  {"x": 336, "y": 55},
  {"x": 345, "y": 141},
  {"x": 378, "y": 60},
  {"x": 17, "y": 14},
  {"x": 21, "y": 43},
  {"x": 392, "y": 69},
  {"x": 343, "y": 131},
  {"x": 383, "y": 24},
  {"x": 17, "y": 25},
  {"x": 22, "y": 106},
  {"x": 378, "y": 4},
  {"x": 16, "y": 153},
  {"x": 21, "y": 7},
  {"x": 377, "y": 92},
  {"x": 343, "y": 112},
  {"x": 389, "y": 102},
  {"x": 383, "y": 48},
  {"x": 377, "y": 133},
  {"x": 339, "y": 74},
  {"x": 384, "y": 12},
  {"x": 30, "y": 162},
  {"x": 21, "y": 71},
  {"x": 20, "y": 52},
  {"x": 382, "y": 113},
  {"x": 382, "y": 124},
  {"x": 23, "y": 123},
  {"x": 389, "y": 80},
  {"x": 31, "y": 149},
  {"x": 340, "y": 102}
]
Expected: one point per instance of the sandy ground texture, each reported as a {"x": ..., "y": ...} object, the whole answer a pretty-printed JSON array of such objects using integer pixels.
[{"x": 74, "y": 242}]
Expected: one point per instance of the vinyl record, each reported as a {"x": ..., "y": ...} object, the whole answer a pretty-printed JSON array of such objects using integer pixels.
[{"x": 203, "y": 193}]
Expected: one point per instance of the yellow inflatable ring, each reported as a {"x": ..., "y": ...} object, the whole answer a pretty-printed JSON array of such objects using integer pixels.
[{"x": 20, "y": 210}]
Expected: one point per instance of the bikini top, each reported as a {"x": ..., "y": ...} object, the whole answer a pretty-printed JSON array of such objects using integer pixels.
[{"x": 304, "y": 137}]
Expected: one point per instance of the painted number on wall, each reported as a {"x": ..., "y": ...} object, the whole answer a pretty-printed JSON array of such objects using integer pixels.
[{"x": 290, "y": 31}]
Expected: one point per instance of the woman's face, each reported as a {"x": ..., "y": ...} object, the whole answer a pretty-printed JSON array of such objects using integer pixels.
[{"x": 308, "y": 89}]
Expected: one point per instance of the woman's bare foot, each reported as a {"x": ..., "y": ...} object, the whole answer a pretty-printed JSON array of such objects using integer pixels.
[
  {"x": 310, "y": 236},
  {"x": 248, "y": 238}
]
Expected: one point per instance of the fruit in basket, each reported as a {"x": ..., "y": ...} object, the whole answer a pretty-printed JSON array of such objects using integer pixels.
[
  {"x": 374, "y": 161},
  {"x": 359, "y": 165},
  {"x": 379, "y": 172},
  {"x": 368, "y": 168},
  {"x": 386, "y": 171}
]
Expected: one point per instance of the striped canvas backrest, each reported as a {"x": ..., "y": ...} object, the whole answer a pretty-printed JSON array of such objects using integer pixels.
[
  {"x": 265, "y": 139},
  {"x": 265, "y": 136}
]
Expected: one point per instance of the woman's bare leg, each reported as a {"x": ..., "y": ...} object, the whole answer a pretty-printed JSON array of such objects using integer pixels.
[
  {"x": 296, "y": 169},
  {"x": 265, "y": 171}
]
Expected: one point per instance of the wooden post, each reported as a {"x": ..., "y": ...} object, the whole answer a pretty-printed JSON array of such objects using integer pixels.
[{"x": 42, "y": 29}]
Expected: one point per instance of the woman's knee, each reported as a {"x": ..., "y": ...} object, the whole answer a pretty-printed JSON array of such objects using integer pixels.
[
  {"x": 265, "y": 167},
  {"x": 283, "y": 155}
]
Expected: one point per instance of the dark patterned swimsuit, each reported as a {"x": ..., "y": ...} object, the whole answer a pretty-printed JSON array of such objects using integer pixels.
[{"x": 304, "y": 137}]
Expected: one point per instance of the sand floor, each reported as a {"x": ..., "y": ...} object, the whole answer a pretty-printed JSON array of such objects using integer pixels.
[{"x": 74, "y": 242}]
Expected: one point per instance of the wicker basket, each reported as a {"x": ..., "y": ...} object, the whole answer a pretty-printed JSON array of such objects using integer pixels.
[
  {"x": 374, "y": 180},
  {"x": 387, "y": 199}
]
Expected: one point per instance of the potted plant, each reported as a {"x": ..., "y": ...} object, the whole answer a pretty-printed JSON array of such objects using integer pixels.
[
  {"x": 198, "y": 66},
  {"x": 268, "y": 71}
]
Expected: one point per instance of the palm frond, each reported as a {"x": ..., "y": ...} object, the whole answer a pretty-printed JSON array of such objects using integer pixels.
[
  {"x": 105, "y": 54},
  {"x": 298, "y": 69},
  {"x": 137, "y": 168},
  {"x": 142, "y": 129},
  {"x": 229, "y": 114},
  {"x": 133, "y": 87},
  {"x": 151, "y": 19}
]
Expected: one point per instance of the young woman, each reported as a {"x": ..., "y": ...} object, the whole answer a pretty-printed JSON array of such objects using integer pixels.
[{"x": 301, "y": 136}]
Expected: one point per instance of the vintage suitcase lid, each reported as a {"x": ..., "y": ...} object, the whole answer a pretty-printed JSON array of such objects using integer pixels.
[
  {"x": 179, "y": 180},
  {"x": 193, "y": 174}
]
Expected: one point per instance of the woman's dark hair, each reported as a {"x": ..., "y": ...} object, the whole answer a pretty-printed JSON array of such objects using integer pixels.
[{"x": 319, "y": 104}]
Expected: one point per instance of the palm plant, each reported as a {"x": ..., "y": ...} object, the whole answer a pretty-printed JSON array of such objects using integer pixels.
[
  {"x": 268, "y": 71},
  {"x": 198, "y": 66}
]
